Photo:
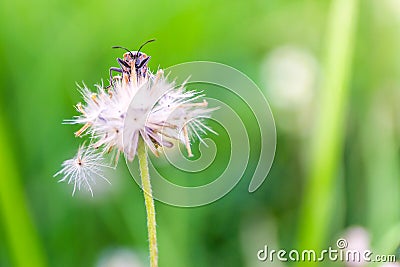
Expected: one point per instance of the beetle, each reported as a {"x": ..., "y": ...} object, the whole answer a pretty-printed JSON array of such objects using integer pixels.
[{"x": 136, "y": 59}]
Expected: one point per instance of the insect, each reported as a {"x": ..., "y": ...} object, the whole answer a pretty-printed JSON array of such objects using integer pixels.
[{"x": 132, "y": 61}]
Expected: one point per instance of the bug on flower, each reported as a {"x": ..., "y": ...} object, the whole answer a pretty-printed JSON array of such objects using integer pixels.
[
  {"x": 137, "y": 106},
  {"x": 133, "y": 65}
]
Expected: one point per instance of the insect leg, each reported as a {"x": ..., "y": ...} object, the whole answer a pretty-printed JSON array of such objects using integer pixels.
[
  {"x": 123, "y": 64},
  {"x": 144, "y": 61},
  {"x": 114, "y": 69},
  {"x": 141, "y": 68}
]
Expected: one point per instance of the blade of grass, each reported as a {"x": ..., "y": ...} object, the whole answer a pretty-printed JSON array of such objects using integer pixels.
[
  {"x": 328, "y": 134},
  {"x": 381, "y": 164},
  {"x": 21, "y": 236}
]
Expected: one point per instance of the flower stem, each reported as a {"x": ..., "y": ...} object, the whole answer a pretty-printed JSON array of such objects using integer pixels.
[{"x": 149, "y": 203}]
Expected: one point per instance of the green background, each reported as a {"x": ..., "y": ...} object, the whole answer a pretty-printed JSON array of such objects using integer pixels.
[{"x": 337, "y": 160}]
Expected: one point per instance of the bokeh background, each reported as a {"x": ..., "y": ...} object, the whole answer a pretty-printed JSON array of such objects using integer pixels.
[{"x": 330, "y": 70}]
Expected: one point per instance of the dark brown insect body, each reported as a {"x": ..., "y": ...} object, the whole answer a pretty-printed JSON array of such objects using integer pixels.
[{"x": 133, "y": 64}]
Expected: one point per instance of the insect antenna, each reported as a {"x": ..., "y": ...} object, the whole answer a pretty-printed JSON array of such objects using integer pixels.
[
  {"x": 121, "y": 47},
  {"x": 149, "y": 41}
]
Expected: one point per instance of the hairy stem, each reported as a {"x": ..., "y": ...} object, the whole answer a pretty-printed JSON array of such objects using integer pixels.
[{"x": 149, "y": 203}]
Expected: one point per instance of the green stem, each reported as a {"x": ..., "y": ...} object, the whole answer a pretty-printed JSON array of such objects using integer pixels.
[{"x": 149, "y": 203}]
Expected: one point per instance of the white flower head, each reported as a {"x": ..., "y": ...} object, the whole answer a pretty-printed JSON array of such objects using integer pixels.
[{"x": 151, "y": 108}]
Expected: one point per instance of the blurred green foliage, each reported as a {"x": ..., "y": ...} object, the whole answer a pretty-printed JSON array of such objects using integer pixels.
[{"x": 45, "y": 46}]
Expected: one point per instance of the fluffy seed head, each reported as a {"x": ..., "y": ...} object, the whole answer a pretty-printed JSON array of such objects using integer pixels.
[{"x": 83, "y": 169}]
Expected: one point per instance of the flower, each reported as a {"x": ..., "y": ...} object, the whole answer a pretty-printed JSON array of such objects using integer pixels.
[
  {"x": 114, "y": 118},
  {"x": 82, "y": 169}
]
